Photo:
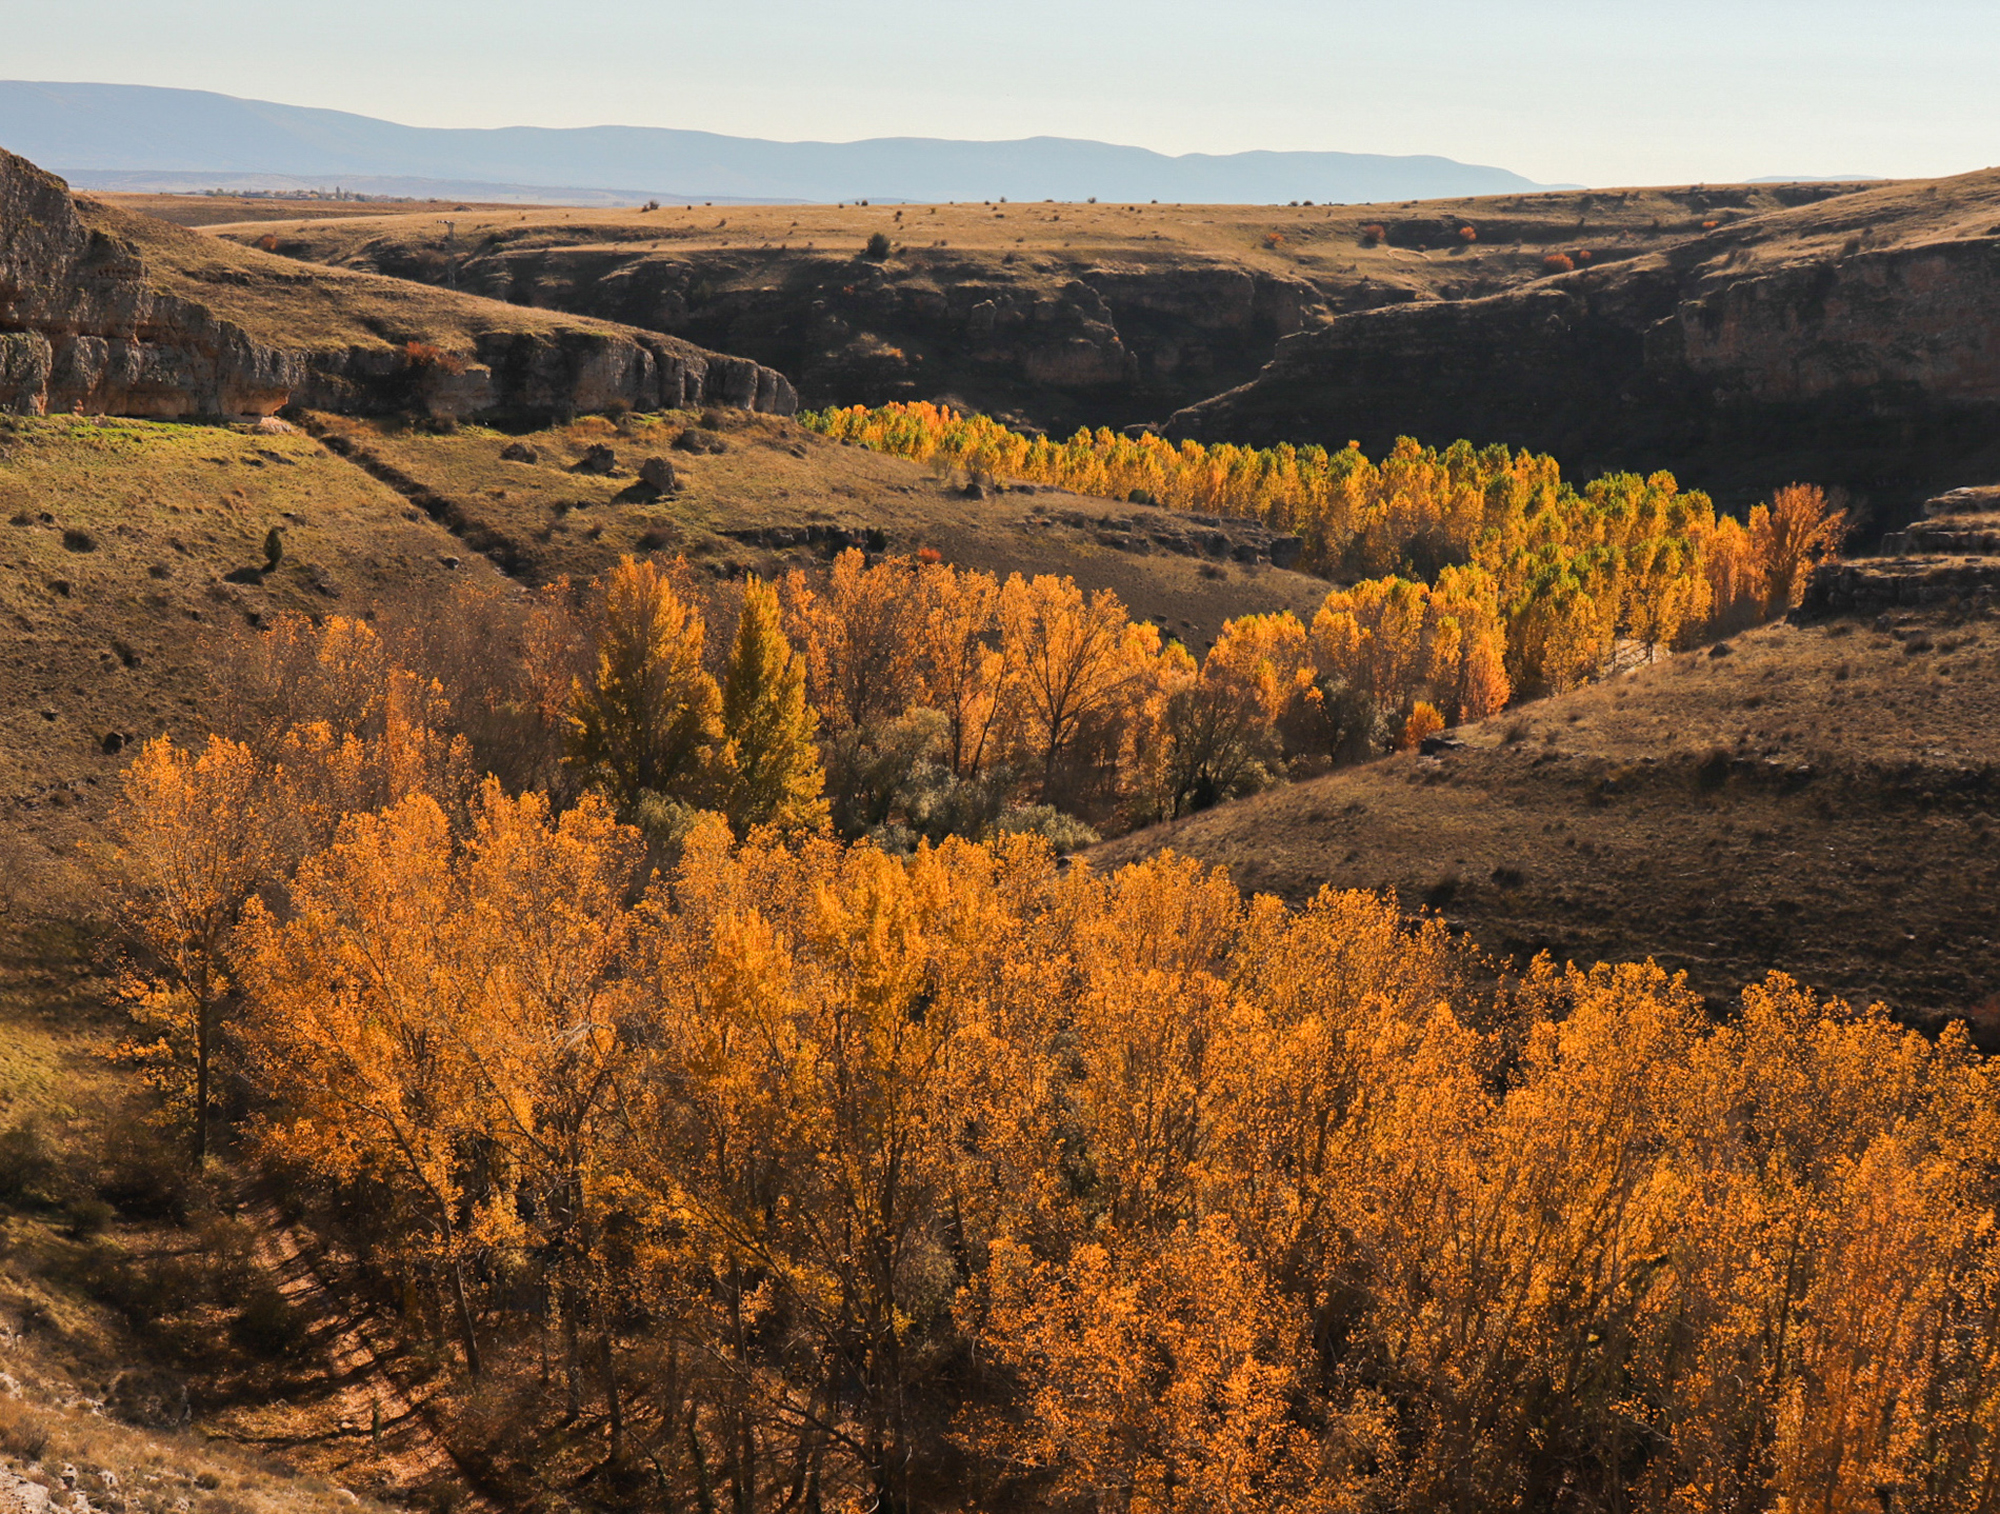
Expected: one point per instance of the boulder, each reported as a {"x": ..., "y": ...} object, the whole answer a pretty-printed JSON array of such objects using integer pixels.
[
  {"x": 520, "y": 452},
  {"x": 658, "y": 474},
  {"x": 700, "y": 440},
  {"x": 598, "y": 460}
]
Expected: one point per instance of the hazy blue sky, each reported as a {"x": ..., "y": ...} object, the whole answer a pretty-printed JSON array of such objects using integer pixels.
[{"x": 1607, "y": 92}]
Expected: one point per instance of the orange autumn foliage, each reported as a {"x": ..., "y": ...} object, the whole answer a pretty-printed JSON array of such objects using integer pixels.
[{"x": 968, "y": 1178}]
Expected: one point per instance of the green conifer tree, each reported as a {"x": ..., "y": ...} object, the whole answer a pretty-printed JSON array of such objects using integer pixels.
[
  {"x": 647, "y": 720},
  {"x": 768, "y": 770}
]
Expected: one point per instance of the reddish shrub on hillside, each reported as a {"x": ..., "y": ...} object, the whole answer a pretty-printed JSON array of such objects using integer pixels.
[
  {"x": 1557, "y": 262},
  {"x": 268, "y": 241},
  {"x": 1467, "y": 234},
  {"x": 424, "y": 355},
  {"x": 1375, "y": 234}
]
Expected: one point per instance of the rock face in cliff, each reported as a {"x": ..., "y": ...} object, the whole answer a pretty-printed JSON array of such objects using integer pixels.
[
  {"x": 1855, "y": 343},
  {"x": 1050, "y": 315},
  {"x": 82, "y": 327},
  {"x": 104, "y": 312},
  {"x": 1110, "y": 342}
]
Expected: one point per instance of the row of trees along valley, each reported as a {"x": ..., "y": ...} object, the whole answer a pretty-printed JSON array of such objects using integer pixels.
[
  {"x": 703, "y": 1043},
  {"x": 1567, "y": 574}
]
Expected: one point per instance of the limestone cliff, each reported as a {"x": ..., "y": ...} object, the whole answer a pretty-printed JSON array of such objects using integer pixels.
[
  {"x": 105, "y": 312},
  {"x": 1111, "y": 341},
  {"x": 1853, "y": 344},
  {"x": 1050, "y": 315}
]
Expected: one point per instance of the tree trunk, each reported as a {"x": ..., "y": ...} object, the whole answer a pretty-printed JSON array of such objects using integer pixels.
[
  {"x": 468, "y": 1337},
  {"x": 201, "y": 1023},
  {"x": 704, "y": 1490},
  {"x": 572, "y": 1350},
  {"x": 615, "y": 1409}
]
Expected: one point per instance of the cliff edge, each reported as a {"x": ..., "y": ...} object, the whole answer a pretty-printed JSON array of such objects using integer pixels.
[
  {"x": 1853, "y": 342},
  {"x": 107, "y": 312}
]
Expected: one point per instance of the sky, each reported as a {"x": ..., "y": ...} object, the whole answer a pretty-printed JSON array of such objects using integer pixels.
[{"x": 1603, "y": 93}]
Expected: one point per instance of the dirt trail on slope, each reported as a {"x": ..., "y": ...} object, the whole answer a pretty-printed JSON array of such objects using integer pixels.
[{"x": 387, "y": 1430}]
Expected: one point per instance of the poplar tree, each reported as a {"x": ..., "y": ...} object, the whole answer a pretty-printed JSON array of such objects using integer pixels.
[
  {"x": 647, "y": 721},
  {"x": 768, "y": 769}
]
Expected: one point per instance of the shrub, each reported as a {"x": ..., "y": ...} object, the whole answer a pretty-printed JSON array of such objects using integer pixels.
[
  {"x": 1557, "y": 262},
  {"x": 418, "y": 356},
  {"x": 1424, "y": 720},
  {"x": 1467, "y": 234},
  {"x": 22, "y": 1433},
  {"x": 1065, "y": 833},
  {"x": 27, "y": 1168},
  {"x": 1374, "y": 234},
  {"x": 877, "y": 250},
  {"x": 268, "y": 1325}
]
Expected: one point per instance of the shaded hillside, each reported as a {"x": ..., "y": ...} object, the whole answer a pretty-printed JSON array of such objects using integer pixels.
[
  {"x": 1817, "y": 799},
  {"x": 1853, "y": 342},
  {"x": 104, "y": 311},
  {"x": 1057, "y": 315}
]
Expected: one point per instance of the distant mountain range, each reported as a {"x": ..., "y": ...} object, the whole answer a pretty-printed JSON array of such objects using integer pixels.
[{"x": 133, "y": 137}]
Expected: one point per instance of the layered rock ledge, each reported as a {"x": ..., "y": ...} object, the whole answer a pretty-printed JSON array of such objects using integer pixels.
[
  {"x": 1853, "y": 343},
  {"x": 105, "y": 312}
]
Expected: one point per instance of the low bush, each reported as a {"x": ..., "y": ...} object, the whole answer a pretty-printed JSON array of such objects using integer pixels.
[{"x": 28, "y": 1169}]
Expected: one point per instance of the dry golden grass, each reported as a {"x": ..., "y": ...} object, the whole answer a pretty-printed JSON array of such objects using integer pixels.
[
  {"x": 1422, "y": 256},
  {"x": 547, "y": 521},
  {"x": 115, "y": 539},
  {"x": 279, "y": 303},
  {"x": 210, "y": 210}
]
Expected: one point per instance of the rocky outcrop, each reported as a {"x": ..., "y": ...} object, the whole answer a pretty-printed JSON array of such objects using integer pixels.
[
  {"x": 1949, "y": 556},
  {"x": 82, "y": 328},
  {"x": 1764, "y": 352},
  {"x": 105, "y": 313},
  {"x": 1964, "y": 522},
  {"x": 1869, "y": 584},
  {"x": 1052, "y": 343}
]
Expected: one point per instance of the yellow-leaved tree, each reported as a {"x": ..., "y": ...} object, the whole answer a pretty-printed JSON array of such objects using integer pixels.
[
  {"x": 369, "y": 995},
  {"x": 857, "y": 634},
  {"x": 1075, "y": 659},
  {"x": 648, "y": 719},
  {"x": 1789, "y": 537},
  {"x": 198, "y": 839},
  {"x": 768, "y": 770}
]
